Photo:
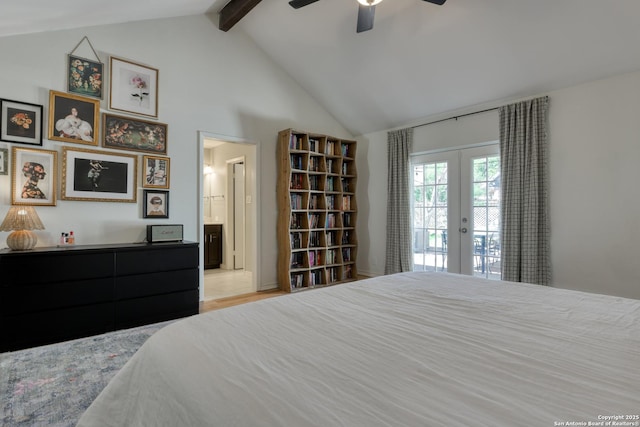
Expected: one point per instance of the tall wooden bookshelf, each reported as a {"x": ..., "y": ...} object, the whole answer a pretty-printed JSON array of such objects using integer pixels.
[{"x": 317, "y": 210}]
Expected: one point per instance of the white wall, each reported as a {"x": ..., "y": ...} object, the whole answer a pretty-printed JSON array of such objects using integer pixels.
[
  {"x": 210, "y": 81},
  {"x": 594, "y": 148}
]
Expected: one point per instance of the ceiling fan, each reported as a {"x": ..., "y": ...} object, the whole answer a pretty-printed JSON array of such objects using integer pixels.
[{"x": 366, "y": 10}]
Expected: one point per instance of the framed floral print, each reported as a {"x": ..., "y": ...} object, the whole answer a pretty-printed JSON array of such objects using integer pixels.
[
  {"x": 128, "y": 133},
  {"x": 73, "y": 118},
  {"x": 98, "y": 176},
  {"x": 156, "y": 204},
  {"x": 156, "y": 171},
  {"x": 133, "y": 87},
  {"x": 20, "y": 122},
  {"x": 84, "y": 77},
  {"x": 33, "y": 177}
]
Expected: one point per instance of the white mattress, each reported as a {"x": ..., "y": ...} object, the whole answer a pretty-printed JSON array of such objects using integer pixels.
[{"x": 412, "y": 349}]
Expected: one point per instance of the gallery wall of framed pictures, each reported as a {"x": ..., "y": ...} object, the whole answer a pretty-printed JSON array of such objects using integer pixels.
[{"x": 74, "y": 116}]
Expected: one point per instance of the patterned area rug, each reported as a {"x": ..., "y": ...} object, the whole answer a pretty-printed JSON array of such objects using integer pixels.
[{"x": 53, "y": 385}]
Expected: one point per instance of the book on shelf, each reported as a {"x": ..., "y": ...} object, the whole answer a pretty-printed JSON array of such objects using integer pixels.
[
  {"x": 314, "y": 145},
  {"x": 296, "y": 240},
  {"x": 296, "y": 161},
  {"x": 329, "y": 165},
  {"x": 314, "y": 220},
  {"x": 297, "y": 260},
  {"x": 330, "y": 148},
  {"x": 331, "y": 221},
  {"x": 346, "y": 203},
  {"x": 296, "y": 201},
  {"x": 348, "y": 272},
  {"x": 296, "y": 220},
  {"x": 296, "y": 181},
  {"x": 315, "y": 239},
  {"x": 345, "y": 237},
  {"x": 346, "y": 220},
  {"x": 297, "y": 280},
  {"x": 295, "y": 143},
  {"x": 345, "y": 185},
  {"x": 315, "y": 278},
  {"x": 331, "y": 236},
  {"x": 346, "y": 254}
]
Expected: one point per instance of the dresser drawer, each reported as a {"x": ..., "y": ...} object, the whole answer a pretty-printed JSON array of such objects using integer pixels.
[
  {"x": 34, "y": 298},
  {"x": 156, "y": 259},
  {"x": 141, "y": 285}
]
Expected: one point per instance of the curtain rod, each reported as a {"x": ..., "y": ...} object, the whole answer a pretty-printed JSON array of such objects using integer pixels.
[{"x": 454, "y": 117}]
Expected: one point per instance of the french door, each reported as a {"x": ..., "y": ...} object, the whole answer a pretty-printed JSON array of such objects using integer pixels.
[{"x": 456, "y": 211}]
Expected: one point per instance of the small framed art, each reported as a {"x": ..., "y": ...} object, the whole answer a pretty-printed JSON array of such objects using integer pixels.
[
  {"x": 4, "y": 161},
  {"x": 156, "y": 204},
  {"x": 127, "y": 133},
  {"x": 20, "y": 122},
  {"x": 133, "y": 87},
  {"x": 33, "y": 177},
  {"x": 84, "y": 77},
  {"x": 156, "y": 171},
  {"x": 73, "y": 118},
  {"x": 98, "y": 176}
]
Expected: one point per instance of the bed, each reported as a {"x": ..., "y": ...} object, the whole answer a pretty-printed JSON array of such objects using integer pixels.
[{"x": 410, "y": 349}]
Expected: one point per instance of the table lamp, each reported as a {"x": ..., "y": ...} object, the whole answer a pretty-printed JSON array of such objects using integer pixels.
[{"x": 21, "y": 220}]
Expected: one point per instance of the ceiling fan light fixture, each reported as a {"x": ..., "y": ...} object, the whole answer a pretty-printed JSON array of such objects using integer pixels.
[{"x": 369, "y": 2}]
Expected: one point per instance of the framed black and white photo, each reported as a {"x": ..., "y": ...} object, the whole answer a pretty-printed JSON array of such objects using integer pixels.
[
  {"x": 73, "y": 118},
  {"x": 33, "y": 176},
  {"x": 155, "y": 171},
  {"x": 133, "y": 87},
  {"x": 98, "y": 176},
  {"x": 20, "y": 122},
  {"x": 156, "y": 204},
  {"x": 4, "y": 161}
]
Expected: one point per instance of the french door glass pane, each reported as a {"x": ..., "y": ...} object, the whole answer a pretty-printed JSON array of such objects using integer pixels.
[
  {"x": 486, "y": 217},
  {"x": 430, "y": 216}
]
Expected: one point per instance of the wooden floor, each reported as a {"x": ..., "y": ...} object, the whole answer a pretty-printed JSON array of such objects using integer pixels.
[{"x": 239, "y": 299}]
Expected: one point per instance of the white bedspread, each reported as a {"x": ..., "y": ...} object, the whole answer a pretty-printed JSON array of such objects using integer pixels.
[{"x": 413, "y": 349}]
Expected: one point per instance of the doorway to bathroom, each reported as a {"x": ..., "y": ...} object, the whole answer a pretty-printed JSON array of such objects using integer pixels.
[{"x": 229, "y": 193}]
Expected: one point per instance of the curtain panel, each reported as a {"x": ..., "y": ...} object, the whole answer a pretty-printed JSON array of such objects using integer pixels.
[
  {"x": 524, "y": 174},
  {"x": 398, "y": 246}
]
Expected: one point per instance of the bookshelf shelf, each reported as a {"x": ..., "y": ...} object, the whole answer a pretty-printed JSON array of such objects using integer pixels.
[{"x": 317, "y": 210}]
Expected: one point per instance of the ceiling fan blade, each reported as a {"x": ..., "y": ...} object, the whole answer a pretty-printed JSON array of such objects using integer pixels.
[
  {"x": 365, "y": 17},
  {"x": 297, "y": 4},
  {"x": 438, "y": 2}
]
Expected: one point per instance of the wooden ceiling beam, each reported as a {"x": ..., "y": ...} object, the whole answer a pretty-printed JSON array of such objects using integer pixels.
[{"x": 234, "y": 11}]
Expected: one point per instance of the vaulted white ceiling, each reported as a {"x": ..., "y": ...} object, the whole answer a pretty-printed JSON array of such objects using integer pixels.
[{"x": 419, "y": 59}]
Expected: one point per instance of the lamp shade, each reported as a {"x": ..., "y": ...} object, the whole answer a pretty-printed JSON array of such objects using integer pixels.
[{"x": 21, "y": 220}]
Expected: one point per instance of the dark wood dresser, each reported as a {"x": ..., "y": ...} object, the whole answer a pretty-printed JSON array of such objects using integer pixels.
[{"x": 55, "y": 294}]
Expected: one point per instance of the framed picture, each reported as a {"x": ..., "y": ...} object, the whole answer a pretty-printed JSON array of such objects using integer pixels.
[
  {"x": 84, "y": 77},
  {"x": 133, "y": 87},
  {"x": 156, "y": 171},
  {"x": 98, "y": 176},
  {"x": 73, "y": 118},
  {"x": 4, "y": 161},
  {"x": 156, "y": 204},
  {"x": 126, "y": 133},
  {"x": 20, "y": 122},
  {"x": 33, "y": 177}
]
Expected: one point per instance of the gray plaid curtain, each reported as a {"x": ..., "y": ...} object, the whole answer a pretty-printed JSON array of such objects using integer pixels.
[
  {"x": 525, "y": 219},
  {"x": 398, "y": 257}
]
